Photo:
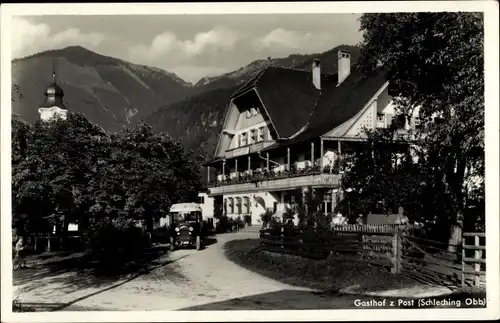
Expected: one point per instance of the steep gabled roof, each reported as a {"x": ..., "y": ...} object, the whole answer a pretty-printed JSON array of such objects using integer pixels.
[
  {"x": 299, "y": 110},
  {"x": 337, "y": 105},
  {"x": 288, "y": 96}
]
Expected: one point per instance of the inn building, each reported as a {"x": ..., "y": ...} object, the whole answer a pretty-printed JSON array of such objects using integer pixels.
[{"x": 288, "y": 129}]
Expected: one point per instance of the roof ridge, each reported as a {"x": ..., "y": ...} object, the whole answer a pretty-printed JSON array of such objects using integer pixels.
[
  {"x": 314, "y": 108},
  {"x": 300, "y": 69},
  {"x": 254, "y": 79}
]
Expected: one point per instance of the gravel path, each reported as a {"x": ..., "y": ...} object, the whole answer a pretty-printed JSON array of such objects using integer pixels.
[
  {"x": 188, "y": 278},
  {"x": 181, "y": 280}
]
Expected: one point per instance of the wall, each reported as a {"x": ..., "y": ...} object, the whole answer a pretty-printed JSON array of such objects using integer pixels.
[
  {"x": 256, "y": 209},
  {"x": 207, "y": 206},
  {"x": 366, "y": 120},
  {"x": 234, "y": 141},
  {"x": 49, "y": 113},
  {"x": 244, "y": 122},
  {"x": 224, "y": 138}
]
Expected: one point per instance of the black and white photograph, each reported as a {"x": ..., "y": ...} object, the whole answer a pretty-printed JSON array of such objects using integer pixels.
[{"x": 160, "y": 161}]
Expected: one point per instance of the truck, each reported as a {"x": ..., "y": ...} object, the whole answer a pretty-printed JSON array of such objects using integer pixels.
[{"x": 187, "y": 227}]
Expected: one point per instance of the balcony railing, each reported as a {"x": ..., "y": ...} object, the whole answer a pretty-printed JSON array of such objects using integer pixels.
[{"x": 270, "y": 180}]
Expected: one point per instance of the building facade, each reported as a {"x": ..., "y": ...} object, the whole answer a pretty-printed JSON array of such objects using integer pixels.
[{"x": 286, "y": 130}]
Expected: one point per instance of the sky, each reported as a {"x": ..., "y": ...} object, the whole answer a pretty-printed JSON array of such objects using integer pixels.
[{"x": 192, "y": 46}]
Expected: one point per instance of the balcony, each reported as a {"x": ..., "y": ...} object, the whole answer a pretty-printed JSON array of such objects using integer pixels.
[{"x": 275, "y": 181}]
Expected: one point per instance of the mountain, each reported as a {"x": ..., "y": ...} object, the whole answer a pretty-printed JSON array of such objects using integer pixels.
[
  {"x": 114, "y": 93},
  {"x": 108, "y": 91},
  {"x": 328, "y": 64}
]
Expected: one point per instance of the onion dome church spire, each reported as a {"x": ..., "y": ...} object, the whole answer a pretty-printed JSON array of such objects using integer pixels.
[{"x": 53, "y": 105}]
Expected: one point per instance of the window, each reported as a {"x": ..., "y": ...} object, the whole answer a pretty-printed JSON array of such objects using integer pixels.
[
  {"x": 380, "y": 120},
  {"x": 399, "y": 121},
  {"x": 417, "y": 123},
  {"x": 244, "y": 139},
  {"x": 238, "y": 204},
  {"x": 246, "y": 204},
  {"x": 201, "y": 199},
  {"x": 225, "y": 206},
  {"x": 253, "y": 111},
  {"x": 260, "y": 136},
  {"x": 253, "y": 136},
  {"x": 248, "y": 113},
  {"x": 231, "y": 205}
]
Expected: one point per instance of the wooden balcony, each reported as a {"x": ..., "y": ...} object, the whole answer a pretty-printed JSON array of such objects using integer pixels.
[{"x": 278, "y": 184}]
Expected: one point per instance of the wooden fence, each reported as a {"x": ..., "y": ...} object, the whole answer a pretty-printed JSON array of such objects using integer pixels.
[
  {"x": 376, "y": 244},
  {"x": 478, "y": 261},
  {"x": 398, "y": 247}
]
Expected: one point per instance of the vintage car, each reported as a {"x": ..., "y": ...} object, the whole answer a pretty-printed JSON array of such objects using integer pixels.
[{"x": 187, "y": 227}]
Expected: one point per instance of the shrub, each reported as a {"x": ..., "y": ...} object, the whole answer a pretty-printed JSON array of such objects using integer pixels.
[
  {"x": 266, "y": 217},
  {"x": 116, "y": 240},
  {"x": 238, "y": 222},
  {"x": 161, "y": 235}
]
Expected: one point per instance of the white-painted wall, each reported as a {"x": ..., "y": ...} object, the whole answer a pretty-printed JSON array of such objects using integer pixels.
[
  {"x": 52, "y": 112},
  {"x": 207, "y": 206},
  {"x": 237, "y": 134},
  {"x": 256, "y": 209}
]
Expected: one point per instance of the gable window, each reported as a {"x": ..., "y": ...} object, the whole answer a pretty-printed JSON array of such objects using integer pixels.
[
  {"x": 253, "y": 111},
  {"x": 244, "y": 139},
  {"x": 248, "y": 113},
  {"x": 260, "y": 135},
  {"x": 253, "y": 136}
]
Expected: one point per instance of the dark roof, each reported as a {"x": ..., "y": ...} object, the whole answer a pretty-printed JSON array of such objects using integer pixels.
[
  {"x": 288, "y": 95},
  {"x": 53, "y": 97},
  {"x": 338, "y": 104},
  {"x": 211, "y": 161},
  {"x": 293, "y": 102}
]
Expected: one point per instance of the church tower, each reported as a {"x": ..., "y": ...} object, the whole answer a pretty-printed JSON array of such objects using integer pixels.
[{"x": 53, "y": 106}]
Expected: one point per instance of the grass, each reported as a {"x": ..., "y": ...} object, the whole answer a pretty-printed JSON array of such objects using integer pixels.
[{"x": 330, "y": 275}]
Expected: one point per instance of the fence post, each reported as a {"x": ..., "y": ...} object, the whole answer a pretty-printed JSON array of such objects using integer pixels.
[
  {"x": 463, "y": 261},
  {"x": 396, "y": 252},
  {"x": 477, "y": 265},
  {"x": 282, "y": 239},
  {"x": 48, "y": 243}
]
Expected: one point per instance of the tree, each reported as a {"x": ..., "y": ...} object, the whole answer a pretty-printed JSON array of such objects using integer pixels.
[
  {"x": 434, "y": 63},
  {"x": 145, "y": 174},
  {"x": 53, "y": 170}
]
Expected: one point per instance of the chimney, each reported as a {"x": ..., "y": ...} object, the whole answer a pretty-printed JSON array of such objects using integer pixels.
[
  {"x": 344, "y": 65},
  {"x": 316, "y": 73}
]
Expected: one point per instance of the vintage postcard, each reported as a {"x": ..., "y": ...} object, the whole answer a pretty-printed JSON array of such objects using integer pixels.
[{"x": 250, "y": 161}]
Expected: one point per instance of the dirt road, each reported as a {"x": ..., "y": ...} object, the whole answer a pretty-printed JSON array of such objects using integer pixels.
[{"x": 181, "y": 280}]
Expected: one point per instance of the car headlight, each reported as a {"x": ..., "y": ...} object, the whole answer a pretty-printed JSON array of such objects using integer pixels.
[
  {"x": 191, "y": 228},
  {"x": 177, "y": 229}
]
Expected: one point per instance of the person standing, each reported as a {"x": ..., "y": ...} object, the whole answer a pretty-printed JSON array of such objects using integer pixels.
[{"x": 21, "y": 251}]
